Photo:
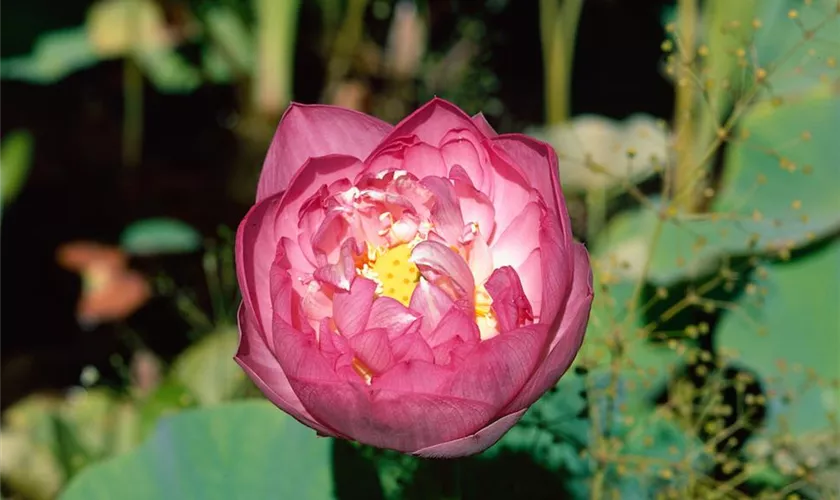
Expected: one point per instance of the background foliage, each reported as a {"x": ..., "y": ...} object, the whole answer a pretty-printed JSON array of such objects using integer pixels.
[{"x": 699, "y": 154}]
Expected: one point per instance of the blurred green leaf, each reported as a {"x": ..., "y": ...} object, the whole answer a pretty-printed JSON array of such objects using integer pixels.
[
  {"x": 239, "y": 450},
  {"x": 790, "y": 338},
  {"x": 231, "y": 52},
  {"x": 15, "y": 161},
  {"x": 160, "y": 236},
  {"x": 56, "y": 55},
  {"x": 207, "y": 369}
]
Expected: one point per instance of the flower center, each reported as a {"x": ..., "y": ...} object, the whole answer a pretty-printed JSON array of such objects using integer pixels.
[{"x": 397, "y": 276}]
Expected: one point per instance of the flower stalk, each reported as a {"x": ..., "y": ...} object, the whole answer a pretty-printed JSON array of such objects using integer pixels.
[
  {"x": 683, "y": 190},
  {"x": 558, "y": 27},
  {"x": 274, "y": 70}
]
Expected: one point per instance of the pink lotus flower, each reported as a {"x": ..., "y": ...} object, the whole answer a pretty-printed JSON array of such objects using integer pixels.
[{"x": 412, "y": 287}]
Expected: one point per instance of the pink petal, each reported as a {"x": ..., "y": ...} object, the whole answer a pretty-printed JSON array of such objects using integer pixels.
[
  {"x": 455, "y": 323},
  {"x": 445, "y": 213},
  {"x": 351, "y": 309},
  {"x": 431, "y": 122},
  {"x": 411, "y": 346},
  {"x": 520, "y": 238},
  {"x": 315, "y": 173},
  {"x": 511, "y": 190},
  {"x": 509, "y": 301},
  {"x": 531, "y": 278},
  {"x": 423, "y": 160},
  {"x": 556, "y": 268},
  {"x": 389, "y": 157},
  {"x": 482, "y": 125},
  {"x": 458, "y": 151},
  {"x": 308, "y": 131},
  {"x": 254, "y": 356},
  {"x": 444, "y": 268},
  {"x": 539, "y": 162},
  {"x": 476, "y": 207},
  {"x": 300, "y": 356},
  {"x": 343, "y": 272},
  {"x": 403, "y": 421},
  {"x": 566, "y": 343},
  {"x": 327, "y": 240},
  {"x": 431, "y": 303},
  {"x": 499, "y": 367},
  {"x": 414, "y": 376},
  {"x": 256, "y": 249},
  {"x": 474, "y": 443},
  {"x": 373, "y": 349},
  {"x": 480, "y": 259},
  {"x": 391, "y": 315}
]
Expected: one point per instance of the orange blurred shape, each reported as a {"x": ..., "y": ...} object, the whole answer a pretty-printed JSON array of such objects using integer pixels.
[{"x": 110, "y": 290}]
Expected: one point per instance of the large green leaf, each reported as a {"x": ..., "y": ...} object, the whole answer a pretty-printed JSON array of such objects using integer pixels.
[
  {"x": 792, "y": 340},
  {"x": 246, "y": 449},
  {"x": 778, "y": 193},
  {"x": 783, "y": 178}
]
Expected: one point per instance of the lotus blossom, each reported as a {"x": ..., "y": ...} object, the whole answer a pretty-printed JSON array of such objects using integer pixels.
[{"x": 413, "y": 287}]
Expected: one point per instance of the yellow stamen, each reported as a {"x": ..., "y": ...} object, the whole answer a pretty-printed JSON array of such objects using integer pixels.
[
  {"x": 396, "y": 273},
  {"x": 362, "y": 370}
]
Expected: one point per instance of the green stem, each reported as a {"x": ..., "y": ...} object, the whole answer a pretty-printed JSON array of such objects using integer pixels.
[
  {"x": 596, "y": 211},
  {"x": 274, "y": 71},
  {"x": 558, "y": 28},
  {"x": 132, "y": 127},
  {"x": 683, "y": 190}
]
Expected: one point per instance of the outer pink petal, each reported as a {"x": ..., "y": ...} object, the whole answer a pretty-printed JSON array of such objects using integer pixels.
[
  {"x": 404, "y": 421},
  {"x": 431, "y": 122},
  {"x": 511, "y": 191},
  {"x": 254, "y": 356},
  {"x": 351, "y": 309},
  {"x": 539, "y": 162},
  {"x": 414, "y": 376},
  {"x": 498, "y": 368},
  {"x": 256, "y": 248},
  {"x": 519, "y": 239},
  {"x": 307, "y": 131},
  {"x": 569, "y": 338},
  {"x": 557, "y": 269},
  {"x": 474, "y": 443},
  {"x": 482, "y": 125}
]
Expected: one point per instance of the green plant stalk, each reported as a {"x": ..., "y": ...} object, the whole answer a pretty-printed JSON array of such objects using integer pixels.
[
  {"x": 344, "y": 45},
  {"x": 132, "y": 129},
  {"x": 132, "y": 80},
  {"x": 596, "y": 211},
  {"x": 274, "y": 69},
  {"x": 558, "y": 28},
  {"x": 684, "y": 195}
]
